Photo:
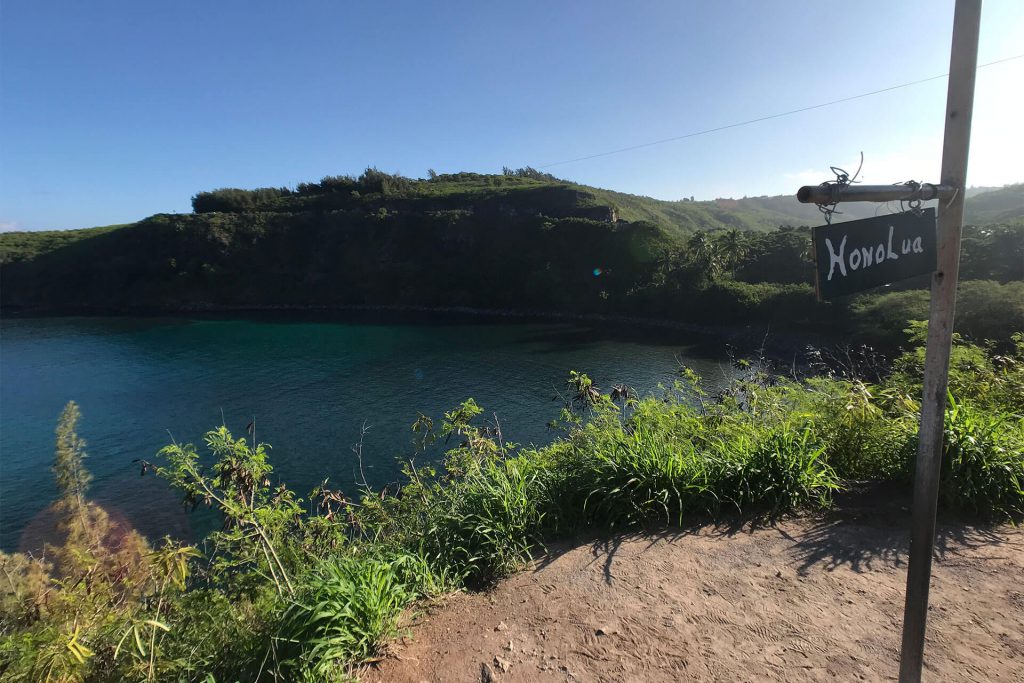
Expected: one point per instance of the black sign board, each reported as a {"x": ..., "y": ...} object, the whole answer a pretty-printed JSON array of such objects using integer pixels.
[{"x": 851, "y": 257}]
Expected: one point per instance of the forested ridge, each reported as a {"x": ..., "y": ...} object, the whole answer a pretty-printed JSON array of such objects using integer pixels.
[{"x": 519, "y": 241}]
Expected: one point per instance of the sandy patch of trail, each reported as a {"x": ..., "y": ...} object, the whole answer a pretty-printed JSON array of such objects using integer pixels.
[{"x": 804, "y": 600}]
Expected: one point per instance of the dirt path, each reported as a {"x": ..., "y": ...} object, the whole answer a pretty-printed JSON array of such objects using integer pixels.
[{"x": 806, "y": 600}]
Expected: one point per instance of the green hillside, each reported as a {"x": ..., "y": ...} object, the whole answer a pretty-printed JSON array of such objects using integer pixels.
[
  {"x": 19, "y": 245},
  {"x": 998, "y": 206}
]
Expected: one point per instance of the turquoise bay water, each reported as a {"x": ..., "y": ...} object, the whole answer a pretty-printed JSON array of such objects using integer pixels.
[{"x": 310, "y": 386}]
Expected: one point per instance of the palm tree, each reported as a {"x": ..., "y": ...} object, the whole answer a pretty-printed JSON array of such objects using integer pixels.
[
  {"x": 732, "y": 247},
  {"x": 704, "y": 254}
]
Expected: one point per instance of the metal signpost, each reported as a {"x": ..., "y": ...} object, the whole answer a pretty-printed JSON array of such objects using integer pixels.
[{"x": 832, "y": 281}]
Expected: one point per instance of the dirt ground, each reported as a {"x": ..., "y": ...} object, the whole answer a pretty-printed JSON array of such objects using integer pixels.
[{"x": 803, "y": 600}]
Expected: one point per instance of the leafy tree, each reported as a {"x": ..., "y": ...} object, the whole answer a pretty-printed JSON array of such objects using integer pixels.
[{"x": 338, "y": 183}]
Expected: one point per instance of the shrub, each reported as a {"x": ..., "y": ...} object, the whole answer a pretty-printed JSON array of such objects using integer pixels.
[
  {"x": 869, "y": 431},
  {"x": 987, "y": 377},
  {"x": 376, "y": 181},
  {"x": 985, "y": 310},
  {"x": 733, "y": 300},
  {"x": 49, "y": 652},
  {"x": 23, "y": 597},
  {"x": 885, "y": 316},
  {"x": 212, "y": 634},
  {"x": 989, "y": 310},
  {"x": 230, "y": 199}
]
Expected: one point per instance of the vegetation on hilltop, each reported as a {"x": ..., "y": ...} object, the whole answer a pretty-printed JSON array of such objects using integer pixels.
[
  {"x": 984, "y": 206},
  {"x": 525, "y": 190},
  {"x": 309, "y": 589}
]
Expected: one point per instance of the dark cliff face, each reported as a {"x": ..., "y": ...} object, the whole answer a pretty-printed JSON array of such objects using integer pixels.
[
  {"x": 474, "y": 241},
  {"x": 608, "y": 214},
  {"x": 488, "y": 257}
]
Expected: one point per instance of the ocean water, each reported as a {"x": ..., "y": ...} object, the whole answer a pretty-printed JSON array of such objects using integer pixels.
[{"x": 311, "y": 387}]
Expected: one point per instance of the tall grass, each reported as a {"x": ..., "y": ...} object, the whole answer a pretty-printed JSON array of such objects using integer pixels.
[
  {"x": 485, "y": 525},
  {"x": 784, "y": 470},
  {"x": 651, "y": 474},
  {"x": 663, "y": 465},
  {"x": 983, "y": 462},
  {"x": 345, "y": 611},
  {"x": 647, "y": 475}
]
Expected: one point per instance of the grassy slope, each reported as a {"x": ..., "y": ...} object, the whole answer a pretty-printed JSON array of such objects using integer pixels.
[
  {"x": 999, "y": 206},
  {"x": 27, "y": 244},
  {"x": 685, "y": 217}
]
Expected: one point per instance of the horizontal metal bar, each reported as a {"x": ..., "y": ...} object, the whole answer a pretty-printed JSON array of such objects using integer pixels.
[{"x": 834, "y": 194}]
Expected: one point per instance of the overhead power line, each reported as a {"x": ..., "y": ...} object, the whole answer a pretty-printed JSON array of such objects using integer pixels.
[{"x": 766, "y": 118}]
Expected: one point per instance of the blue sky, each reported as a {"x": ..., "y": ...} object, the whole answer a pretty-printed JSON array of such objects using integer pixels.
[{"x": 112, "y": 111}]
